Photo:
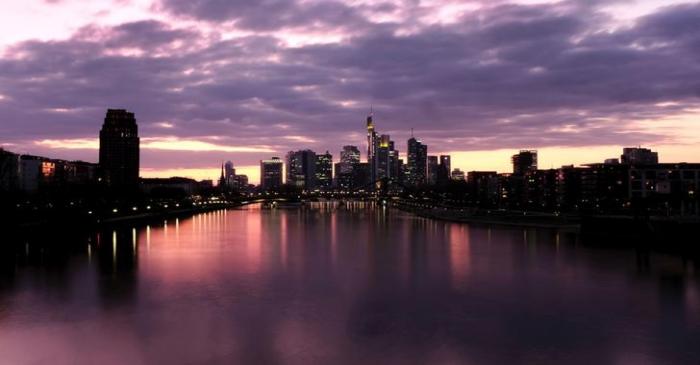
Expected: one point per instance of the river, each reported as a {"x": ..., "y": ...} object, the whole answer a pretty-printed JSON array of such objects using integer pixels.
[{"x": 341, "y": 283}]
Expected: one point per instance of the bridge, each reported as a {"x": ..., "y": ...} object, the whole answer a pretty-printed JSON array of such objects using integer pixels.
[{"x": 380, "y": 189}]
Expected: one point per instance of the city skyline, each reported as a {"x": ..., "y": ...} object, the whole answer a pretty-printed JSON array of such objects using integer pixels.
[
  {"x": 119, "y": 153},
  {"x": 504, "y": 165},
  {"x": 476, "y": 80}
]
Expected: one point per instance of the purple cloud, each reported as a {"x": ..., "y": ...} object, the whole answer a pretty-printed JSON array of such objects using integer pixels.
[{"x": 502, "y": 76}]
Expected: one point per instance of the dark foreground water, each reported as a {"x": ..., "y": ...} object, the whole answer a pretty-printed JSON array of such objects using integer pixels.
[{"x": 344, "y": 284}]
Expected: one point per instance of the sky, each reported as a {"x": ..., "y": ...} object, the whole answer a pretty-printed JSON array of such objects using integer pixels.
[{"x": 243, "y": 80}]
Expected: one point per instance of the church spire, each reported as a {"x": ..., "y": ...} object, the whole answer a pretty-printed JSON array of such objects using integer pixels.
[{"x": 222, "y": 179}]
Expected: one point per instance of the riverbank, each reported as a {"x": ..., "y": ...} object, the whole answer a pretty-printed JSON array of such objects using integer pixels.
[
  {"x": 501, "y": 218},
  {"x": 667, "y": 234},
  {"x": 60, "y": 220}
]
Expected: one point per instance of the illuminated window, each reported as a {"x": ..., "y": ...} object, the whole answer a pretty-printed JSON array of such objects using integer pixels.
[{"x": 48, "y": 169}]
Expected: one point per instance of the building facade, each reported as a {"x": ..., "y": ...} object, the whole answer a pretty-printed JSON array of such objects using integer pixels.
[
  {"x": 301, "y": 169},
  {"x": 271, "y": 173},
  {"x": 324, "y": 171},
  {"x": 639, "y": 156},
  {"x": 444, "y": 170},
  {"x": 372, "y": 147},
  {"x": 345, "y": 169},
  {"x": 119, "y": 149},
  {"x": 433, "y": 170},
  {"x": 524, "y": 161},
  {"x": 417, "y": 162},
  {"x": 457, "y": 175}
]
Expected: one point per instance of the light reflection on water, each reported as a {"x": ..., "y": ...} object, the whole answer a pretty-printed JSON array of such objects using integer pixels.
[{"x": 342, "y": 283}]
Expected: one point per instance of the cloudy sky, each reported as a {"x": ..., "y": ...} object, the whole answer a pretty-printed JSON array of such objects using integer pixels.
[{"x": 241, "y": 80}]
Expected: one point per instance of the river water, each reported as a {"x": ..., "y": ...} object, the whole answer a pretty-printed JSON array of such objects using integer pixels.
[{"x": 336, "y": 283}]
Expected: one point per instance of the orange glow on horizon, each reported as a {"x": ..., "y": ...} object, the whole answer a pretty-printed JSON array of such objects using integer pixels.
[
  {"x": 204, "y": 173},
  {"x": 555, "y": 157}
]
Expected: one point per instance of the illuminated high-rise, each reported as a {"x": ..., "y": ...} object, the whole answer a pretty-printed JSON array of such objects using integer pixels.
[
  {"x": 301, "y": 169},
  {"x": 372, "y": 147},
  {"x": 271, "y": 173},
  {"x": 416, "y": 173},
  {"x": 324, "y": 170},
  {"x": 350, "y": 155},
  {"x": 345, "y": 169},
  {"x": 387, "y": 159}
]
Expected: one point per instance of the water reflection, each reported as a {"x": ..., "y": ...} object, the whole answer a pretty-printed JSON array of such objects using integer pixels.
[
  {"x": 341, "y": 282},
  {"x": 116, "y": 265}
]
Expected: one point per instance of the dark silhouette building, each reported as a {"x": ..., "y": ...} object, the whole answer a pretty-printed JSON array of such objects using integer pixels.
[
  {"x": 271, "y": 173},
  {"x": 484, "y": 188},
  {"x": 639, "y": 156},
  {"x": 444, "y": 169},
  {"x": 229, "y": 175},
  {"x": 119, "y": 149},
  {"x": 457, "y": 175},
  {"x": 569, "y": 188},
  {"x": 301, "y": 169},
  {"x": 386, "y": 159},
  {"x": 432, "y": 170},
  {"x": 416, "y": 171},
  {"x": 525, "y": 161},
  {"x": 9, "y": 171},
  {"x": 345, "y": 169},
  {"x": 361, "y": 177}
]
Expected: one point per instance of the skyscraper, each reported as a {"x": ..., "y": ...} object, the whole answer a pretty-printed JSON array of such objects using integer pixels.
[
  {"x": 271, "y": 173},
  {"x": 394, "y": 164},
  {"x": 525, "y": 161},
  {"x": 350, "y": 155},
  {"x": 372, "y": 147},
  {"x": 301, "y": 169},
  {"x": 345, "y": 169},
  {"x": 229, "y": 170},
  {"x": 324, "y": 170},
  {"x": 444, "y": 170},
  {"x": 432, "y": 170},
  {"x": 417, "y": 162},
  {"x": 361, "y": 176},
  {"x": 386, "y": 161},
  {"x": 119, "y": 149}
]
